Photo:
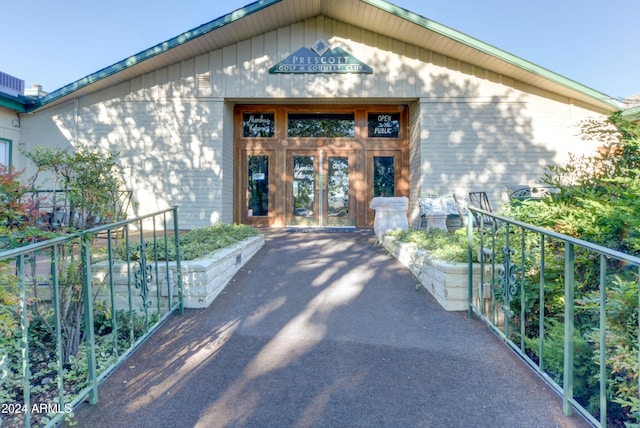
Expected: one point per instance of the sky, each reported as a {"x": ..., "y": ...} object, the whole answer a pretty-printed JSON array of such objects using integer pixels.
[{"x": 593, "y": 42}]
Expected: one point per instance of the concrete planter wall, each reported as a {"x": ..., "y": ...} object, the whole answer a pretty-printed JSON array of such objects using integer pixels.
[
  {"x": 202, "y": 280},
  {"x": 447, "y": 282}
]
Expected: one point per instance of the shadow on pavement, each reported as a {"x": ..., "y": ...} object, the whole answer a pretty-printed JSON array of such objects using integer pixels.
[{"x": 324, "y": 330}]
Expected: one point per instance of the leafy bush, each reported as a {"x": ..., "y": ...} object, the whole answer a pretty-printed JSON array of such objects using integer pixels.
[
  {"x": 90, "y": 180},
  {"x": 598, "y": 195},
  {"x": 597, "y": 200},
  {"x": 199, "y": 243},
  {"x": 194, "y": 244},
  {"x": 442, "y": 245},
  {"x": 14, "y": 212}
]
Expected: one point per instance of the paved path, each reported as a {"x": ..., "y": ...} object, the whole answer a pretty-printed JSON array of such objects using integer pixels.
[{"x": 324, "y": 330}]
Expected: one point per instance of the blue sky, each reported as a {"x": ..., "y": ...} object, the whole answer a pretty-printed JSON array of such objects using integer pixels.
[{"x": 593, "y": 42}]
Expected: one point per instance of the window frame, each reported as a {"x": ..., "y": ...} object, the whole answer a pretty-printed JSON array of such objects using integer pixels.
[{"x": 8, "y": 151}]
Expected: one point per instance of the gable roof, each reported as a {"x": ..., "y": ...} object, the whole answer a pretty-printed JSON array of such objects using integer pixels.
[{"x": 375, "y": 15}]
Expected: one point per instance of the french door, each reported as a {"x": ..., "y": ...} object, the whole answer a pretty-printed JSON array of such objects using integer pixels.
[{"x": 319, "y": 188}]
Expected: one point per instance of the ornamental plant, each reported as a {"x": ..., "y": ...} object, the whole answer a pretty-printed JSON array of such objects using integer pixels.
[
  {"x": 597, "y": 200},
  {"x": 89, "y": 180}
]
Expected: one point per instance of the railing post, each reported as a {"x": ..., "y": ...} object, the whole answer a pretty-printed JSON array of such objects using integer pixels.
[
  {"x": 88, "y": 318},
  {"x": 112, "y": 296},
  {"x": 176, "y": 233},
  {"x": 142, "y": 275},
  {"x": 24, "y": 343},
  {"x": 523, "y": 296},
  {"x": 470, "y": 263},
  {"x": 603, "y": 341},
  {"x": 56, "y": 310},
  {"x": 542, "y": 304},
  {"x": 638, "y": 285},
  {"x": 569, "y": 320}
]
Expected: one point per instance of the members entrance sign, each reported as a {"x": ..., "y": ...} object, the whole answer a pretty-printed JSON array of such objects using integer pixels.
[{"x": 320, "y": 59}]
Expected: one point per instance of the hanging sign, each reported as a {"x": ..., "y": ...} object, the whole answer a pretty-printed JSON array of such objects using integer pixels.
[{"x": 320, "y": 59}]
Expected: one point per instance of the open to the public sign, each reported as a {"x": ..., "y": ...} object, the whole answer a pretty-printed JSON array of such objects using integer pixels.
[{"x": 384, "y": 125}]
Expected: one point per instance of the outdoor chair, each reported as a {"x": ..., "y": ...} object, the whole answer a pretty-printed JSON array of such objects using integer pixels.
[
  {"x": 481, "y": 201},
  {"x": 531, "y": 193}
]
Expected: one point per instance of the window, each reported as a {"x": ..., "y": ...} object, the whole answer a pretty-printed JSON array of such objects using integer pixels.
[
  {"x": 258, "y": 198},
  {"x": 384, "y": 125},
  {"x": 384, "y": 172},
  {"x": 321, "y": 125},
  {"x": 5, "y": 152},
  {"x": 258, "y": 125}
]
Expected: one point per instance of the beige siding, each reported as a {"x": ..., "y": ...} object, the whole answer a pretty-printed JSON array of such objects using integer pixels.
[
  {"x": 415, "y": 162},
  {"x": 494, "y": 146},
  {"x": 227, "y": 151}
]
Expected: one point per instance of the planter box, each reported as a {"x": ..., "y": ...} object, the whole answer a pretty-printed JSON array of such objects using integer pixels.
[
  {"x": 447, "y": 282},
  {"x": 202, "y": 280}
]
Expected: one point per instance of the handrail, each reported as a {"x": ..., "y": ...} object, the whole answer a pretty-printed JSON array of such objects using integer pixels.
[
  {"x": 553, "y": 234},
  {"x": 533, "y": 282},
  {"x": 48, "y": 209},
  {"x": 64, "y": 292}
]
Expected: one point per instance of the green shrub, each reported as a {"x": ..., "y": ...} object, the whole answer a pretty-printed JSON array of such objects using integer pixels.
[
  {"x": 584, "y": 374},
  {"x": 443, "y": 245},
  {"x": 194, "y": 244},
  {"x": 89, "y": 178},
  {"x": 597, "y": 200}
]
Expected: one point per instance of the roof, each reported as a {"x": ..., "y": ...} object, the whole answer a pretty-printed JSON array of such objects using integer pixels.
[
  {"x": 632, "y": 114},
  {"x": 18, "y": 103},
  {"x": 377, "y": 15}
]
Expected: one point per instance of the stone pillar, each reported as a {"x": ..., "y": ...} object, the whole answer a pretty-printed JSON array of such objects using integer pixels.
[
  {"x": 391, "y": 213},
  {"x": 436, "y": 220}
]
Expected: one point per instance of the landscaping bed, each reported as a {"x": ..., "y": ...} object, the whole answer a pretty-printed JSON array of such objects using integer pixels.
[
  {"x": 446, "y": 281},
  {"x": 203, "y": 279}
]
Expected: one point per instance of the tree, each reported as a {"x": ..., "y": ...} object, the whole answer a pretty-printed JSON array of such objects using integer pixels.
[
  {"x": 89, "y": 180},
  {"x": 598, "y": 195}
]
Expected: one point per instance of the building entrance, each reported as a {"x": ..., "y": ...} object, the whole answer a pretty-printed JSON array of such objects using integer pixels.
[
  {"x": 320, "y": 189},
  {"x": 320, "y": 168}
]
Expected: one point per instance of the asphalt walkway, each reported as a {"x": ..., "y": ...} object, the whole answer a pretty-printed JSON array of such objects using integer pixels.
[{"x": 324, "y": 329}]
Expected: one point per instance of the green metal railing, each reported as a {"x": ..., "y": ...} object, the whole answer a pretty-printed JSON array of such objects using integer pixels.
[
  {"x": 74, "y": 307},
  {"x": 568, "y": 307}
]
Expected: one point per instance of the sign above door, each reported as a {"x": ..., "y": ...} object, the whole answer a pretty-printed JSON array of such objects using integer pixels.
[{"x": 321, "y": 58}]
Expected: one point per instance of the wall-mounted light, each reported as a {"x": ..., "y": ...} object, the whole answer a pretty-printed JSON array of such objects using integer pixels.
[{"x": 16, "y": 123}]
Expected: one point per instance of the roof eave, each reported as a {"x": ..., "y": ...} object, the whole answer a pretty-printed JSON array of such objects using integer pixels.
[
  {"x": 155, "y": 50},
  {"x": 494, "y": 51},
  {"x": 19, "y": 103},
  {"x": 631, "y": 114},
  {"x": 583, "y": 92}
]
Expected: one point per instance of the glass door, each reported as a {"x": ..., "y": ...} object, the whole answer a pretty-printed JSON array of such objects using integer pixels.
[
  {"x": 319, "y": 189},
  {"x": 338, "y": 192},
  {"x": 303, "y": 205},
  {"x": 258, "y": 191}
]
